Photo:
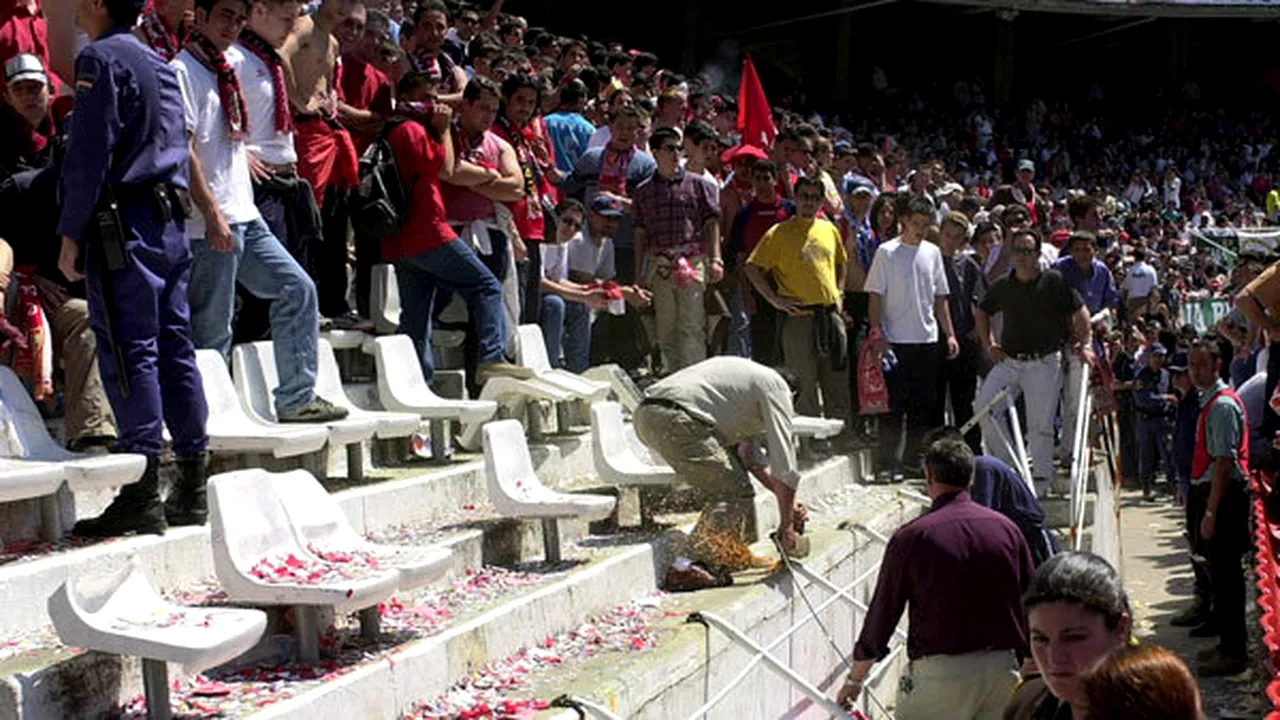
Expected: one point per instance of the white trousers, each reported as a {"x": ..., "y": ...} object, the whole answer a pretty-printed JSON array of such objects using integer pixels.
[{"x": 1040, "y": 382}]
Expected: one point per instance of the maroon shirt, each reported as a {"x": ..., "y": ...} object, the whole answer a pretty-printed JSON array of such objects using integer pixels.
[
  {"x": 672, "y": 213},
  {"x": 962, "y": 569}
]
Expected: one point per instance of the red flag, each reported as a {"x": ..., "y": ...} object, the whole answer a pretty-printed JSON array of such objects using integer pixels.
[{"x": 755, "y": 119}]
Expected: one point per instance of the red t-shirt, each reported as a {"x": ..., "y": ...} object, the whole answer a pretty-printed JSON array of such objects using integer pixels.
[
  {"x": 23, "y": 32},
  {"x": 762, "y": 217},
  {"x": 365, "y": 87},
  {"x": 419, "y": 158}
]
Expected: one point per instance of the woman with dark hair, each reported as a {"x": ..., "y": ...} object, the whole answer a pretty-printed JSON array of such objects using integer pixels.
[
  {"x": 1142, "y": 683},
  {"x": 1077, "y": 612}
]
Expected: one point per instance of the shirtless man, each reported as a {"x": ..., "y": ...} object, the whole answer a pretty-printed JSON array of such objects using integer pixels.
[{"x": 326, "y": 153}]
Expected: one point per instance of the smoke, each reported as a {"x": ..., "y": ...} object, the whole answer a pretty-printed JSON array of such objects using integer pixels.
[{"x": 723, "y": 72}]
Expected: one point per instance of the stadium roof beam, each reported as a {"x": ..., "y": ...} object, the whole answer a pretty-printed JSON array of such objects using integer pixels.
[
  {"x": 814, "y": 16},
  {"x": 1261, "y": 9},
  {"x": 1108, "y": 31}
]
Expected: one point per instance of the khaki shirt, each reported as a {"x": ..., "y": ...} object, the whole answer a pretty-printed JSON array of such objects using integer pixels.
[{"x": 1266, "y": 290}]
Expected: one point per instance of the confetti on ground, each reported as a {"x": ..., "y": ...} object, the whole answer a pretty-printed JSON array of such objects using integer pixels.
[
  {"x": 30, "y": 643},
  {"x": 410, "y": 616},
  {"x": 293, "y": 570},
  {"x": 627, "y": 628},
  {"x": 18, "y": 551}
]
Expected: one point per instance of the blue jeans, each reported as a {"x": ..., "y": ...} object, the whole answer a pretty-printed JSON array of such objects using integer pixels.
[
  {"x": 263, "y": 267},
  {"x": 577, "y": 337},
  {"x": 551, "y": 313},
  {"x": 453, "y": 266}
]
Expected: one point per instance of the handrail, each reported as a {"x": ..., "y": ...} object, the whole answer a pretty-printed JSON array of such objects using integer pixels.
[
  {"x": 1079, "y": 460},
  {"x": 982, "y": 411},
  {"x": 831, "y": 707},
  {"x": 750, "y": 665},
  {"x": 1019, "y": 447}
]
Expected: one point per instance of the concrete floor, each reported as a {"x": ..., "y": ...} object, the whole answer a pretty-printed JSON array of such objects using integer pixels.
[{"x": 1157, "y": 574}]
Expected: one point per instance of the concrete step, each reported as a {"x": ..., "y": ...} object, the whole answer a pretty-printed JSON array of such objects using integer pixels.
[{"x": 405, "y": 496}]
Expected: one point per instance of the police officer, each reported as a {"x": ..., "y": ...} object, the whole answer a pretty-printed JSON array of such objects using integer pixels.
[
  {"x": 1154, "y": 400},
  {"x": 124, "y": 204}
]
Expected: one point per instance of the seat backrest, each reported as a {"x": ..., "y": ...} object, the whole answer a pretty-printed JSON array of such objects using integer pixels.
[
  {"x": 507, "y": 464},
  {"x": 328, "y": 377},
  {"x": 312, "y": 511},
  {"x": 32, "y": 433},
  {"x": 253, "y": 365},
  {"x": 533, "y": 349},
  {"x": 219, "y": 391},
  {"x": 398, "y": 366},
  {"x": 386, "y": 293},
  {"x": 91, "y": 592},
  {"x": 248, "y": 518},
  {"x": 607, "y": 430}
]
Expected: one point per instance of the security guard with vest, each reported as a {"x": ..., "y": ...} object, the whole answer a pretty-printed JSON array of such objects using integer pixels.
[
  {"x": 1155, "y": 403},
  {"x": 124, "y": 203}
]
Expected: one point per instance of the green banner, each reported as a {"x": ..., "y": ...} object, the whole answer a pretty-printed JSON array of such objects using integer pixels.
[{"x": 1204, "y": 314}]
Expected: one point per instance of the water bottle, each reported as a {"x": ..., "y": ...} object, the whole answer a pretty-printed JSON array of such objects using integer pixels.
[{"x": 888, "y": 361}]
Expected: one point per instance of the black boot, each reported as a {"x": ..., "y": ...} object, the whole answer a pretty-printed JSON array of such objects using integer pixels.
[
  {"x": 136, "y": 509},
  {"x": 187, "y": 503}
]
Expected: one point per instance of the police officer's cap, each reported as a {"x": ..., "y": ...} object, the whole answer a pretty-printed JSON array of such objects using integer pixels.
[
  {"x": 1157, "y": 349},
  {"x": 1178, "y": 364}
]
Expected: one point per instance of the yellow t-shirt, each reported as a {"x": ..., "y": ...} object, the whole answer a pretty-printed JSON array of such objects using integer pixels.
[
  {"x": 1273, "y": 205},
  {"x": 803, "y": 256}
]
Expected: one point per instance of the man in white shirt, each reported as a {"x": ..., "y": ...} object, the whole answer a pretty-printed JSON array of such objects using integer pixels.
[
  {"x": 1138, "y": 284},
  {"x": 565, "y": 311},
  {"x": 908, "y": 290},
  {"x": 230, "y": 243}
]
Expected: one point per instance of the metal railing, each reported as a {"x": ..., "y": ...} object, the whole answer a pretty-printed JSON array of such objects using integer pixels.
[
  {"x": 1014, "y": 449},
  {"x": 1081, "y": 466}
]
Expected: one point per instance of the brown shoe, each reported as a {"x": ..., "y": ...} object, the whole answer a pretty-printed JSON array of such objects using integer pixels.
[
  {"x": 486, "y": 371},
  {"x": 696, "y": 576}
]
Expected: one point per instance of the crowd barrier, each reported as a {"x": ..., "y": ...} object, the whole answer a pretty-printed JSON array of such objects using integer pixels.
[{"x": 1267, "y": 570}]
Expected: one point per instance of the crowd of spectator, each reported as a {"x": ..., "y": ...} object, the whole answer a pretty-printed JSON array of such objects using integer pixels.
[{"x": 581, "y": 186}]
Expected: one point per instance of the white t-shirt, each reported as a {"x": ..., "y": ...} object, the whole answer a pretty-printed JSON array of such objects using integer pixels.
[
  {"x": 908, "y": 279},
  {"x": 275, "y": 148},
  {"x": 1139, "y": 281},
  {"x": 585, "y": 257},
  {"x": 555, "y": 261},
  {"x": 226, "y": 168}
]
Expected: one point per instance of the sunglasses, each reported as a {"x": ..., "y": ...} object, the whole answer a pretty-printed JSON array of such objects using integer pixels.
[
  {"x": 1025, "y": 252},
  {"x": 809, "y": 197},
  {"x": 669, "y": 148},
  {"x": 571, "y": 222}
]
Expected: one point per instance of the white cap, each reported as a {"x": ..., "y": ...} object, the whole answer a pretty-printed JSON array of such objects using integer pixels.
[{"x": 24, "y": 67}]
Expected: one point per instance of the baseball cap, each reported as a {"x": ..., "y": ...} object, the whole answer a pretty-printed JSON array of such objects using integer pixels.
[
  {"x": 24, "y": 66},
  {"x": 1178, "y": 363},
  {"x": 843, "y": 148},
  {"x": 606, "y": 205},
  {"x": 1157, "y": 349},
  {"x": 1026, "y": 164}
]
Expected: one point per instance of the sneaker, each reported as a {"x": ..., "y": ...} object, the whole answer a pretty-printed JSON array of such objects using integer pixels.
[
  {"x": 317, "y": 411},
  {"x": 1217, "y": 664},
  {"x": 486, "y": 371}
]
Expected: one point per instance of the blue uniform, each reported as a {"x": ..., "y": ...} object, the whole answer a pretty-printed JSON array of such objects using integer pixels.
[
  {"x": 127, "y": 134},
  {"x": 1153, "y": 425}
]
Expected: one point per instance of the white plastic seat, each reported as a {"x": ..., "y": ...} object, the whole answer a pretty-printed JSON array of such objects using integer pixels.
[
  {"x": 533, "y": 355},
  {"x": 321, "y": 524},
  {"x": 28, "y": 479},
  {"x": 253, "y": 367},
  {"x": 401, "y": 386},
  {"x": 514, "y": 487},
  {"x": 615, "y": 462},
  {"x": 329, "y": 387},
  {"x": 250, "y": 525},
  {"x": 231, "y": 430},
  {"x": 121, "y": 613},
  {"x": 513, "y": 394},
  {"x": 82, "y": 472},
  {"x": 384, "y": 300},
  {"x": 340, "y": 339},
  {"x": 818, "y": 428},
  {"x": 624, "y": 388}
]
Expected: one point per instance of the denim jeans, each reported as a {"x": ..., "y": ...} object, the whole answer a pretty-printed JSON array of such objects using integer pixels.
[
  {"x": 263, "y": 267},
  {"x": 456, "y": 266},
  {"x": 577, "y": 337},
  {"x": 739, "y": 341},
  {"x": 551, "y": 319}
]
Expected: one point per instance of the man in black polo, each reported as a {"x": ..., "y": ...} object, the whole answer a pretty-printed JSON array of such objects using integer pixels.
[
  {"x": 1041, "y": 314},
  {"x": 964, "y": 646}
]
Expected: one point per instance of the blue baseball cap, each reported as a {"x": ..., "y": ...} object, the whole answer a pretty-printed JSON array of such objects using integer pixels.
[
  {"x": 607, "y": 205},
  {"x": 1157, "y": 349}
]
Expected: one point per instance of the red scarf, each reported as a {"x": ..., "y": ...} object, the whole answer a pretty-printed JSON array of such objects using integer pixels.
[
  {"x": 270, "y": 58},
  {"x": 158, "y": 36},
  {"x": 529, "y": 167},
  {"x": 613, "y": 170},
  {"x": 229, "y": 92}
]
